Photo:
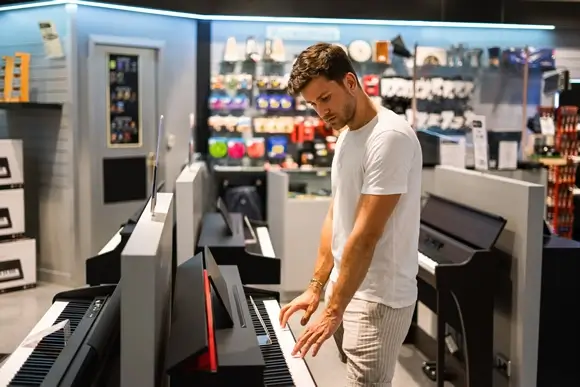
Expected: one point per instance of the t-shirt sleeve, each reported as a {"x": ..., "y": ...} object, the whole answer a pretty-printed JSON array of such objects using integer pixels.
[{"x": 387, "y": 164}]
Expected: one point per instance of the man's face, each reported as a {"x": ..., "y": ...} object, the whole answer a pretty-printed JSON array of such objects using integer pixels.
[{"x": 334, "y": 102}]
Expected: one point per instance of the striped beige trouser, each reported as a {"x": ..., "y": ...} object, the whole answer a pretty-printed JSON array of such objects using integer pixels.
[{"x": 371, "y": 336}]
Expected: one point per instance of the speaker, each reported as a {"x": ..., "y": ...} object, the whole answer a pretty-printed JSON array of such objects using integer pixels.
[{"x": 399, "y": 47}]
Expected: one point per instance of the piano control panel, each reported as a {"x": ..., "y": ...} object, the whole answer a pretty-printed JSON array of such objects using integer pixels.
[{"x": 96, "y": 307}]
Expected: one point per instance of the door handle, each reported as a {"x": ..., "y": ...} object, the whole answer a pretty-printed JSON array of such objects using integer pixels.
[{"x": 151, "y": 159}]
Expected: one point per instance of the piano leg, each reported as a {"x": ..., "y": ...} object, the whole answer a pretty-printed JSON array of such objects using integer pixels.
[
  {"x": 440, "y": 359},
  {"x": 477, "y": 329}
]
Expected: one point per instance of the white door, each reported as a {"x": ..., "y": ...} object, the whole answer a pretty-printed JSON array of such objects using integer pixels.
[{"x": 123, "y": 126}]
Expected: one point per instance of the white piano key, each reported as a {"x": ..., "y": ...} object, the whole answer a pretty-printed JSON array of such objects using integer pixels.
[
  {"x": 298, "y": 369},
  {"x": 265, "y": 242},
  {"x": 427, "y": 263},
  {"x": 111, "y": 244},
  {"x": 18, "y": 357}
]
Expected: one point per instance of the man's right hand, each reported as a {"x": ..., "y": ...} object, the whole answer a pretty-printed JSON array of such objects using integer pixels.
[{"x": 307, "y": 301}]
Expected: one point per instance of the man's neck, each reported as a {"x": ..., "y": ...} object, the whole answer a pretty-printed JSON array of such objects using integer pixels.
[{"x": 366, "y": 111}]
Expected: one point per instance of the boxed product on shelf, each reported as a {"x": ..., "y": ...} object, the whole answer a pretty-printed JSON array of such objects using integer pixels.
[
  {"x": 11, "y": 163},
  {"x": 17, "y": 264},
  {"x": 11, "y": 212}
]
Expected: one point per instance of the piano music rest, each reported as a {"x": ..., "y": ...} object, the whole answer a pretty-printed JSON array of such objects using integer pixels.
[
  {"x": 256, "y": 263},
  {"x": 203, "y": 348},
  {"x": 247, "y": 345},
  {"x": 458, "y": 268}
]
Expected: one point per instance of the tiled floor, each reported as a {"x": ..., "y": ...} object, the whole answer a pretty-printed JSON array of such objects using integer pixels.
[{"x": 19, "y": 312}]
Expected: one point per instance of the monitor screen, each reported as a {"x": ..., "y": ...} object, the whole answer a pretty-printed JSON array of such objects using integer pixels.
[{"x": 221, "y": 207}]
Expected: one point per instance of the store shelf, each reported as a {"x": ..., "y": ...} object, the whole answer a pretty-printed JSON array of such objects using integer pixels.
[
  {"x": 562, "y": 169},
  {"x": 29, "y": 105},
  {"x": 554, "y": 161}
]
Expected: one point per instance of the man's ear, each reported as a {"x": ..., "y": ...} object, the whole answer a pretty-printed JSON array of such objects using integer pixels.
[{"x": 350, "y": 82}]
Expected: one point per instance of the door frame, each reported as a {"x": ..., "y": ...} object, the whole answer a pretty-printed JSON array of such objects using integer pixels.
[{"x": 121, "y": 41}]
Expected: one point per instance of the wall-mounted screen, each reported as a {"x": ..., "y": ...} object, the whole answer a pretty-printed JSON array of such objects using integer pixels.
[{"x": 123, "y": 107}]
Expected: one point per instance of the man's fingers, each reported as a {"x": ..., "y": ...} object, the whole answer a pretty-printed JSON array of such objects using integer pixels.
[
  {"x": 309, "y": 311},
  {"x": 316, "y": 346},
  {"x": 301, "y": 341},
  {"x": 312, "y": 339},
  {"x": 285, "y": 314}
]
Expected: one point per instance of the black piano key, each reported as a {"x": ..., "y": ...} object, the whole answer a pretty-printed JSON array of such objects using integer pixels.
[
  {"x": 276, "y": 372},
  {"x": 40, "y": 361}
]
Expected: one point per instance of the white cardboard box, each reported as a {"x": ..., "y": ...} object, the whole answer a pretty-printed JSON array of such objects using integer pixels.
[
  {"x": 17, "y": 264},
  {"x": 11, "y": 162},
  {"x": 11, "y": 211}
]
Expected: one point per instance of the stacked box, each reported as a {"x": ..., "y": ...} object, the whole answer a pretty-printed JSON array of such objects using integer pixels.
[{"x": 17, "y": 252}]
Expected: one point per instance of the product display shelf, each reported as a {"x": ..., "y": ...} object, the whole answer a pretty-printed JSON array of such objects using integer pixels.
[
  {"x": 29, "y": 106},
  {"x": 562, "y": 172},
  {"x": 253, "y": 120}
]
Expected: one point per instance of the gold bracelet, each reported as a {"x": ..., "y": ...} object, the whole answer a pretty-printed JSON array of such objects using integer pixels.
[{"x": 316, "y": 283}]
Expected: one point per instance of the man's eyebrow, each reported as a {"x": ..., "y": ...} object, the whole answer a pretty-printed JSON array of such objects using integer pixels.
[{"x": 319, "y": 96}]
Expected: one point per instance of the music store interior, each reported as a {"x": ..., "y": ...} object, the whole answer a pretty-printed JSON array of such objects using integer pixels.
[{"x": 162, "y": 196}]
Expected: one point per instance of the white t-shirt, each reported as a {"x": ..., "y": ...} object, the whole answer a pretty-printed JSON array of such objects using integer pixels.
[{"x": 382, "y": 158}]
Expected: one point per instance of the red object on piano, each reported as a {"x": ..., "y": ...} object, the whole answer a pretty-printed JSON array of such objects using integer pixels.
[{"x": 208, "y": 360}]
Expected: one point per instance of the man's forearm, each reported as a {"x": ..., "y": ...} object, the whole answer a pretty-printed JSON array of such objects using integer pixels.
[
  {"x": 356, "y": 260},
  {"x": 325, "y": 260}
]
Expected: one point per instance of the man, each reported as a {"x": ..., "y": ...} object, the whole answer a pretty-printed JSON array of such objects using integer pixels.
[{"x": 368, "y": 247}]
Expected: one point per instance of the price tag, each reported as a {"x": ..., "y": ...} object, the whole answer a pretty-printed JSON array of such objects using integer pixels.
[
  {"x": 452, "y": 152},
  {"x": 508, "y": 155},
  {"x": 547, "y": 126},
  {"x": 480, "y": 143}
]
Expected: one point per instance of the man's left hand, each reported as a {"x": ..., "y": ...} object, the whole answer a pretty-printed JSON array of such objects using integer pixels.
[{"x": 317, "y": 333}]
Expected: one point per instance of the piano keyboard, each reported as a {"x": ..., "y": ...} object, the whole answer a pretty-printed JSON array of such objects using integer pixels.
[
  {"x": 282, "y": 369},
  {"x": 10, "y": 275},
  {"x": 427, "y": 263},
  {"x": 265, "y": 242},
  {"x": 29, "y": 366}
]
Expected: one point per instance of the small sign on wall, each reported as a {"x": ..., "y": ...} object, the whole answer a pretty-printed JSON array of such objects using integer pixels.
[
  {"x": 123, "y": 103},
  {"x": 50, "y": 40}
]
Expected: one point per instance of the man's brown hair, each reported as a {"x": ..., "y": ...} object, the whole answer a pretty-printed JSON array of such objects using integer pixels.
[{"x": 319, "y": 60}]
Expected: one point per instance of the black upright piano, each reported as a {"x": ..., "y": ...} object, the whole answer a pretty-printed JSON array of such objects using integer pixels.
[
  {"x": 458, "y": 269},
  {"x": 226, "y": 334}
]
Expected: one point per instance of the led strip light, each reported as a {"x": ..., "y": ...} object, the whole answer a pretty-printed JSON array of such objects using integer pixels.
[{"x": 269, "y": 19}]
